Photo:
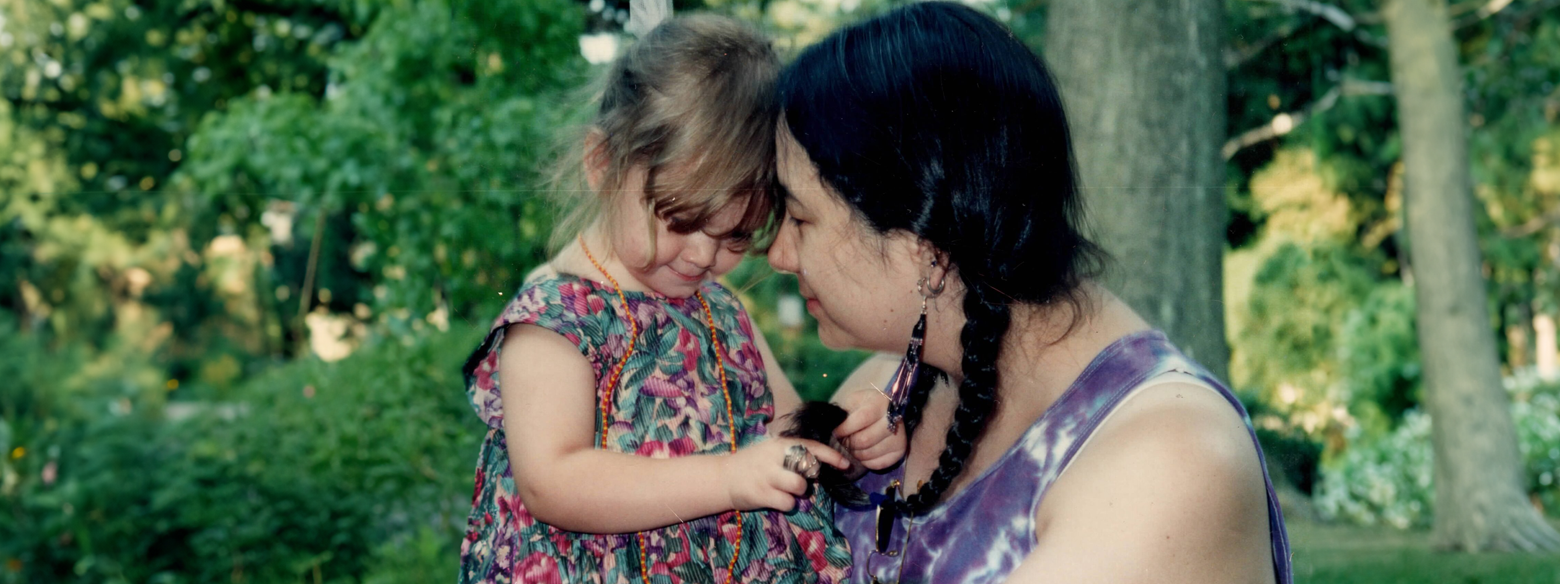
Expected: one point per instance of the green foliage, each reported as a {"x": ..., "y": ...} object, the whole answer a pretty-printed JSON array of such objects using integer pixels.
[
  {"x": 428, "y": 555},
  {"x": 427, "y": 143},
  {"x": 1538, "y": 435},
  {"x": 1379, "y": 353},
  {"x": 1384, "y": 481},
  {"x": 165, "y": 167},
  {"x": 100, "y": 97},
  {"x": 1319, "y": 278},
  {"x": 312, "y": 470},
  {"x": 1300, "y": 298},
  {"x": 1388, "y": 480}
]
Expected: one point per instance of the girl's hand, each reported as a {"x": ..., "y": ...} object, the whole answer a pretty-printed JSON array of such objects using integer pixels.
[
  {"x": 865, "y": 432},
  {"x": 756, "y": 476}
]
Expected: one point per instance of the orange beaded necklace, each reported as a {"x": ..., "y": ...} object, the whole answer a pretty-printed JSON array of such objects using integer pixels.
[{"x": 606, "y": 399}]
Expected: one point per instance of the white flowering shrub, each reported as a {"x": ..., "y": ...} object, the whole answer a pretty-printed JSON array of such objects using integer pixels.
[
  {"x": 1388, "y": 481},
  {"x": 1384, "y": 481},
  {"x": 1538, "y": 435}
]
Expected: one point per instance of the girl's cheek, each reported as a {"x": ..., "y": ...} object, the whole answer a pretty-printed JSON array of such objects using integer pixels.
[{"x": 726, "y": 261}]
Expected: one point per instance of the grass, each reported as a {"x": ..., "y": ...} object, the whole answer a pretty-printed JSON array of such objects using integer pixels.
[{"x": 1341, "y": 554}]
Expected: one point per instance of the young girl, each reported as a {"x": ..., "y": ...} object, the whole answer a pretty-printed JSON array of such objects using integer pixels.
[{"x": 622, "y": 358}]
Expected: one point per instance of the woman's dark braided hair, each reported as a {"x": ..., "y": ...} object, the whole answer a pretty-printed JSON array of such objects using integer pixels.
[{"x": 934, "y": 119}]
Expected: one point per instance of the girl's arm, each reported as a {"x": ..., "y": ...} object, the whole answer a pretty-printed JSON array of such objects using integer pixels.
[{"x": 549, "y": 396}]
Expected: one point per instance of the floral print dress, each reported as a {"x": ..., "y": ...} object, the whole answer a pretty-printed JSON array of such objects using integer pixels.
[{"x": 668, "y": 403}]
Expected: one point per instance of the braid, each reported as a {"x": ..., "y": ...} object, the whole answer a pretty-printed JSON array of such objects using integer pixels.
[
  {"x": 986, "y": 323},
  {"x": 983, "y": 171}
]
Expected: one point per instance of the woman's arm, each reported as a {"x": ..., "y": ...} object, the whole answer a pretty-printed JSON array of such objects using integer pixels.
[
  {"x": 1169, "y": 490},
  {"x": 548, "y": 390}
]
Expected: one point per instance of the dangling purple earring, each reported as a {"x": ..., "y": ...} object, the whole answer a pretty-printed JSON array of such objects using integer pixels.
[{"x": 898, "y": 389}]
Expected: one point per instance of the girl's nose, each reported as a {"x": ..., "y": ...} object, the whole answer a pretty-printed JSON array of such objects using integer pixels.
[{"x": 700, "y": 251}]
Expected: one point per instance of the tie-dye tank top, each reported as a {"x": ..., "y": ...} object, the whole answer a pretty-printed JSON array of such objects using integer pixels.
[{"x": 980, "y": 534}]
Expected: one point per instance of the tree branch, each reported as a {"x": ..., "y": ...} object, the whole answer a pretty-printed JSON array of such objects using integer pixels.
[
  {"x": 1531, "y": 226},
  {"x": 1333, "y": 14},
  {"x": 306, "y": 293},
  {"x": 1493, "y": 7},
  {"x": 1234, "y": 56},
  {"x": 1286, "y": 122},
  {"x": 1484, "y": 11},
  {"x": 1337, "y": 16}
]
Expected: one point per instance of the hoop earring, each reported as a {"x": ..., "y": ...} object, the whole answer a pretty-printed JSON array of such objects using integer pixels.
[{"x": 898, "y": 389}]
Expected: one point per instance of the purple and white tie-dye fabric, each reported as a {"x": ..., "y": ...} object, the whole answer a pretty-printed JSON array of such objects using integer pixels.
[{"x": 982, "y": 533}]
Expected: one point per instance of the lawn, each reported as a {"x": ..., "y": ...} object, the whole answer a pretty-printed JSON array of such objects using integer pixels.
[{"x": 1336, "y": 554}]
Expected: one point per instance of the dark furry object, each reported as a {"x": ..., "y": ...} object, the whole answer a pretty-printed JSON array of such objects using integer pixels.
[{"x": 816, "y": 421}]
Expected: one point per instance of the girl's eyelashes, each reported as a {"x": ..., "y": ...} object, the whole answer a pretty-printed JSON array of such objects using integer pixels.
[{"x": 738, "y": 241}]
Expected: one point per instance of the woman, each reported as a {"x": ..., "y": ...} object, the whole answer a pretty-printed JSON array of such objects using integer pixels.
[{"x": 930, "y": 178}]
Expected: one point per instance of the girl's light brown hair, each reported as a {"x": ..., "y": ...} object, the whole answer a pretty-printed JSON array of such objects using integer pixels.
[{"x": 693, "y": 103}]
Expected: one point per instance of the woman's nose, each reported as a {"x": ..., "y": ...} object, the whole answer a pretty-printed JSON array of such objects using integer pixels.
[{"x": 782, "y": 253}]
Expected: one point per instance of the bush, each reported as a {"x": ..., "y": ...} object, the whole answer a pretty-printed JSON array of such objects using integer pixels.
[
  {"x": 316, "y": 472},
  {"x": 1389, "y": 480},
  {"x": 1382, "y": 481},
  {"x": 1538, "y": 436}
]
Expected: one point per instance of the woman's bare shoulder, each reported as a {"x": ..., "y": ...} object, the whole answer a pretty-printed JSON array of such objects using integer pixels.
[{"x": 1170, "y": 483}]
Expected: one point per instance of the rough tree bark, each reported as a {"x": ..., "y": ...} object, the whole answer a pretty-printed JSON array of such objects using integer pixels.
[
  {"x": 1144, "y": 84},
  {"x": 1480, "y": 496}
]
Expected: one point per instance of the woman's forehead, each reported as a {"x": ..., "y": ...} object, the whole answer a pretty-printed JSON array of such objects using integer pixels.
[{"x": 798, "y": 175}]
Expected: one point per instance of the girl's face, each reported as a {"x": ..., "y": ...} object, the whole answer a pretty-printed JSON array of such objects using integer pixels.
[
  {"x": 860, "y": 285},
  {"x": 676, "y": 264}
]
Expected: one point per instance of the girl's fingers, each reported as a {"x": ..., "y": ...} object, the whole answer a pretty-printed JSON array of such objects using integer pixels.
[
  {"x": 869, "y": 437},
  {"x": 792, "y": 484},
  {"x": 782, "y": 502},
  {"x": 860, "y": 419},
  {"x": 826, "y": 454},
  {"x": 880, "y": 450},
  {"x": 882, "y": 462}
]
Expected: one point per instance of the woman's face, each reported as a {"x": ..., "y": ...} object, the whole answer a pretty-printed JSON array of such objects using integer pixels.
[{"x": 860, "y": 285}]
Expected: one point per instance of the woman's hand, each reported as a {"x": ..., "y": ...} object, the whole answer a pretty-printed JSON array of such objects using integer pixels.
[
  {"x": 865, "y": 431},
  {"x": 756, "y": 476}
]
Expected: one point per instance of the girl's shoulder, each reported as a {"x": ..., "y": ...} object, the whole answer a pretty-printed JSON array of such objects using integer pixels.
[{"x": 549, "y": 298}]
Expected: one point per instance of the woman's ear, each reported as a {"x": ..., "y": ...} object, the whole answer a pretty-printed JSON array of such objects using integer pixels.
[
  {"x": 937, "y": 266},
  {"x": 596, "y": 159}
]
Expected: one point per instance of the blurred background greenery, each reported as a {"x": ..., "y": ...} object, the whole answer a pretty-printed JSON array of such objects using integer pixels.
[{"x": 245, "y": 246}]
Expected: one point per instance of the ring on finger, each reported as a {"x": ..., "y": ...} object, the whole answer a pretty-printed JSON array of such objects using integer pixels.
[
  {"x": 800, "y": 461},
  {"x": 809, "y": 467}
]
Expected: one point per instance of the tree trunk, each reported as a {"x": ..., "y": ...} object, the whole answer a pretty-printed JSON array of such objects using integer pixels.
[
  {"x": 1144, "y": 84},
  {"x": 1479, "y": 488}
]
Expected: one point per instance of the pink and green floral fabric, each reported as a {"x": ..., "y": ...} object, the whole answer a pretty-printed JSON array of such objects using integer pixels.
[{"x": 668, "y": 403}]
